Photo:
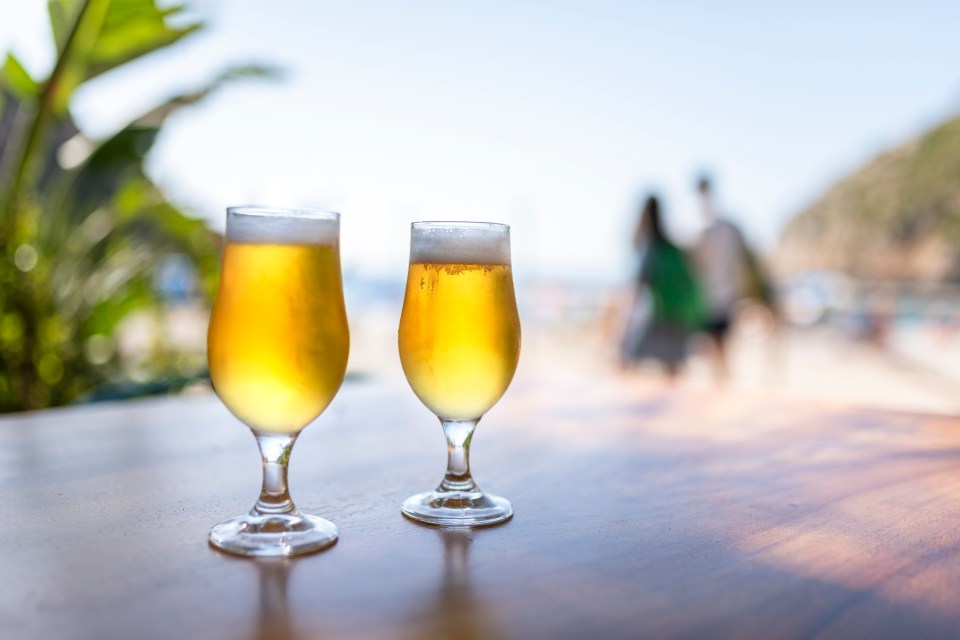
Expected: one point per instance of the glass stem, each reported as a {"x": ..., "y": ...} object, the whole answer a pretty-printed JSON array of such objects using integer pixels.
[
  {"x": 458, "y": 434},
  {"x": 274, "y": 497}
]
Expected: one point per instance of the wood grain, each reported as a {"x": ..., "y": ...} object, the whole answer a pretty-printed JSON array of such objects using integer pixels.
[{"x": 638, "y": 514}]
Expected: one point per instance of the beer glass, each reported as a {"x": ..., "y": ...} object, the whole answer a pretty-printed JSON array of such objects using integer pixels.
[
  {"x": 459, "y": 345},
  {"x": 277, "y": 348}
]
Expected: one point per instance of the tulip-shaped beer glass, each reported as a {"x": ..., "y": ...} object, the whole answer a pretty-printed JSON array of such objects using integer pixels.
[
  {"x": 277, "y": 348},
  {"x": 459, "y": 346}
]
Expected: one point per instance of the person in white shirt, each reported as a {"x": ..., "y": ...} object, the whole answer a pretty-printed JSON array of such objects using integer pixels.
[{"x": 721, "y": 258}]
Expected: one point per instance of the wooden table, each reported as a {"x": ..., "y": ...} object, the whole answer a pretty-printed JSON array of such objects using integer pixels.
[{"x": 638, "y": 514}]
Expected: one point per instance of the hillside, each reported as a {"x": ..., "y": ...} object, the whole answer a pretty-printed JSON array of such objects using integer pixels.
[{"x": 896, "y": 217}]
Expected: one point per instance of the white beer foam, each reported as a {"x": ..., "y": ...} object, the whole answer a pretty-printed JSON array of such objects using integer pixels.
[
  {"x": 268, "y": 225},
  {"x": 460, "y": 243}
]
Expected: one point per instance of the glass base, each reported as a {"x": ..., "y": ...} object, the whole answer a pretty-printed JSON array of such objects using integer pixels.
[
  {"x": 457, "y": 508},
  {"x": 273, "y": 536}
]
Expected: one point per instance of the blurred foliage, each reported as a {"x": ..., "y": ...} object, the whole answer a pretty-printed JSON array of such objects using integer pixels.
[
  {"x": 82, "y": 228},
  {"x": 897, "y": 217}
]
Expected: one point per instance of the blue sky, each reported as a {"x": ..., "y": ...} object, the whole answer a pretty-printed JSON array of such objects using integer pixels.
[{"x": 554, "y": 117}]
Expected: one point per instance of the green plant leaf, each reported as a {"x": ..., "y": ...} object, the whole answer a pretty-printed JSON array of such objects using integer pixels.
[
  {"x": 90, "y": 16},
  {"x": 18, "y": 80},
  {"x": 134, "y": 28},
  {"x": 156, "y": 117},
  {"x": 62, "y": 13},
  {"x": 112, "y": 160},
  {"x": 110, "y": 33}
]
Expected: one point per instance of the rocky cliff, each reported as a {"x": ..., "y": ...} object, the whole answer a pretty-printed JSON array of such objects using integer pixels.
[{"x": 898, "y": 217}]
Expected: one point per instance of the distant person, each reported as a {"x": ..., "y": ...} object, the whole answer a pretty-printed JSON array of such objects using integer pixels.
[
  {"x": 660, "y": 329},
  {"x": 729, "y": 272}
]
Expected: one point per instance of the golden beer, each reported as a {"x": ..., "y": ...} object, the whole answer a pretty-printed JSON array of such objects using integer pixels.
[
  {"x": 459, "y": 336},
  {"x": 278, "y": 338}
]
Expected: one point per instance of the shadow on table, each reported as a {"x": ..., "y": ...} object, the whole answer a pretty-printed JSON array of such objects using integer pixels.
[
  {"x": 454, "y": 610},
  {"x": 273, "y": 620}
]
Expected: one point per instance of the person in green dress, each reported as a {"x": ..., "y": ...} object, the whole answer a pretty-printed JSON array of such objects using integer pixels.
[{"x": 668, "y": 306}]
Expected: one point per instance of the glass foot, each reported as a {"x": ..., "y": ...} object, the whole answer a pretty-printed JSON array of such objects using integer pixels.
[
  {"x": 274, "y": 535},
  {"x": 457, "y": 508}
]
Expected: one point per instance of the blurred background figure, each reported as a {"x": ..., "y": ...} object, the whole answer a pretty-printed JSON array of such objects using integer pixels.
[
  {"x": 729, "y": 273},
  {"x": 666, "y": 306}
]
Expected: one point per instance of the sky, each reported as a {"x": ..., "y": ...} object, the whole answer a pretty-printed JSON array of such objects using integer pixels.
[{"x": 554, "y": 117}]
